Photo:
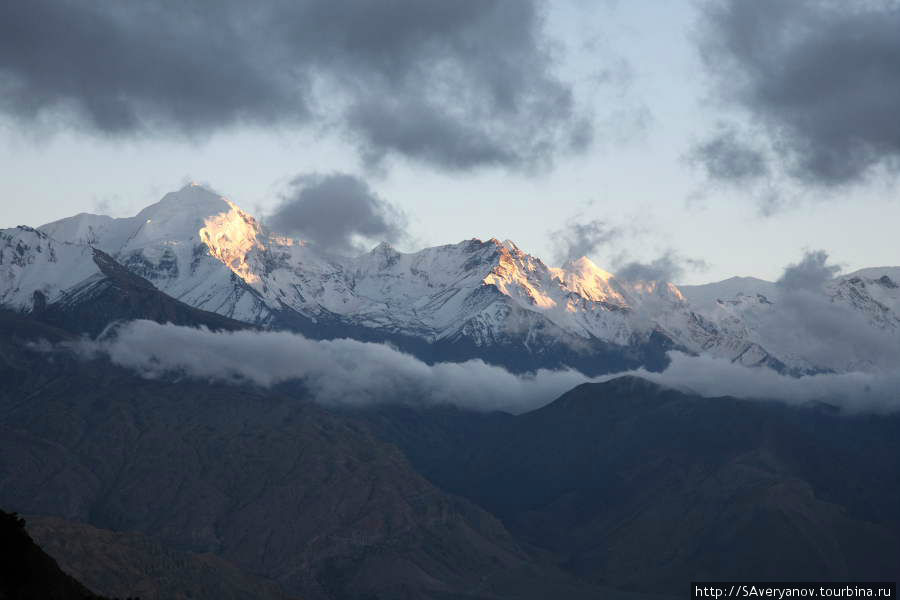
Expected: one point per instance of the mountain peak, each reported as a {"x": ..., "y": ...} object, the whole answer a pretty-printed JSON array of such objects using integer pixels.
[
  {"x": 230, "y": 236},
  {"x": 191, "y": 195},
  {"x": 585, "y": 267},
  {"x": 384, "y": 248}
]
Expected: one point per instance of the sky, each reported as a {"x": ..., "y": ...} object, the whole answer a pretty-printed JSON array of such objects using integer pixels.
[{"x": 716, "y": 138}]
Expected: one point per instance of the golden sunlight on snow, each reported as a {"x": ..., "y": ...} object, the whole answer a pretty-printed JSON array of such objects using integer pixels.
[
  {"x": 230, "y": 236},
  {"x": 586, "y": 279},
  {"x": 510, "y": 279},
  {"x": 652, "y": 287}
]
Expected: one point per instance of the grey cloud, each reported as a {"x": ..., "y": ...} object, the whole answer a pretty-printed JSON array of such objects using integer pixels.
[
  {"x": 668, "y": 267},
  {"x": 821, "y": 78},
  {"x": 806, "y": 321},
  {"x": 728, "y": 156},
  {"x": 454, "y": 84},
  {"x": 712, "y": 377},
  {"x": 337, "y": 212},
  {"x": 811, "y": 273},
  {"x": 345, "y": 372},
  {"x": 582, "y": 238},
  {"x": 123, "y": 67}
]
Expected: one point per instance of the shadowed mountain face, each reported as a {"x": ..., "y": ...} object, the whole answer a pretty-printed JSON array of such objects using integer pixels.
[
  {"x": 27, "y": 572},
  {"x": 118, "y": 294},
  {"x": 267, "y": 481},
  {"x": 645, "y": 488},
  {"x": 124, "y": 564}
]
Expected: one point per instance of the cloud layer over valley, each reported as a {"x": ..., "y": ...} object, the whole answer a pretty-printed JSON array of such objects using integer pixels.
[
  {"x": 352, "y": 373},
  {"x": 339, "y": 371}
]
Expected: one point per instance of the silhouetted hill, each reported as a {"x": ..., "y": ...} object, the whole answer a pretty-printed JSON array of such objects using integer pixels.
[{"x": 27, "y": 572}]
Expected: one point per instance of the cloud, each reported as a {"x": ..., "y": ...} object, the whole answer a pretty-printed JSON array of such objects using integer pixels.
[
  {"x": 351, "y": 373},
  {"x": 344, "y": 372},
  {"x": 831, "y": 333},
  {"x": 822, "y": 80},
  {"x": 337, "y": 212},
  {"x": 810, "y": 274},
  {"x": 457, "y": 85},
  {"x": 582, "y": 238},
  {"x": 713, "y": 377},
  {"x": 668, "y": 267},
  {"x": 729, "y": 156}
]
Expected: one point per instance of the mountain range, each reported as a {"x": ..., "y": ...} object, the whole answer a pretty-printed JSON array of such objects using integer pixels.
[
  {"x": 475, "y": 299},
  {"x": 172, "y": 484}
]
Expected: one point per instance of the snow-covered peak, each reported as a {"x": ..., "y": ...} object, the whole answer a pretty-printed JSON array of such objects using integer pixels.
[
  {"x": 707, "y": 296},
  {"x": 523, "y": 277},
  {"x": 876, "y": 274},
  {"x": 83, "y": 228},
  {"x": 31, "y": 261},
  {"x": 177, "y": 218},
  {"x": 663, "y": 290},
  {"x": 231, "y": 236},
  {"x": 582, "y": 277},
  {"x": 585, "y": 267}
]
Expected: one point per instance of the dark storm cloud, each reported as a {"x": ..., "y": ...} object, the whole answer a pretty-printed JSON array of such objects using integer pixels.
[
  {"x": 335, "y": 212},
  {"x": 810, "y": 274},
  {"x": 822, "y": 79},
  {"x": 122, "y": 67},
  {"x": 726, "y": 156},
  {"x": 668, "y": 267},
  {"x": 582, "y": 238},
  {"x": 455, "y": 84}
]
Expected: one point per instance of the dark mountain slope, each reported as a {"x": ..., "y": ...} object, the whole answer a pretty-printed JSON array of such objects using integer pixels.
[
  {"x": 130, "y": 564},
  {"x": 537, "y": 345},
  {"x": 27, "y": 572},
  {"x": 647, "y": 488},
  {"x": 268, "y": 481},
  {"x": 120, "y": 294}
]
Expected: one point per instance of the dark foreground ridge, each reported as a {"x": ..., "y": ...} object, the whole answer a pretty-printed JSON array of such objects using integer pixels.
[
  {"x": 646, "y": 488},
  {"x": 27, "y": 572}
]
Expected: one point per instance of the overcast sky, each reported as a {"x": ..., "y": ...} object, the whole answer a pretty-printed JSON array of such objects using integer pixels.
[{"x": 717, "y": 138}]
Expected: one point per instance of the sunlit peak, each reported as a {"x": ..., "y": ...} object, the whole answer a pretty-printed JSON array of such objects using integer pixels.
[
  {"x": 586, "y": 268},
  {"x": 230, "y": 236}
]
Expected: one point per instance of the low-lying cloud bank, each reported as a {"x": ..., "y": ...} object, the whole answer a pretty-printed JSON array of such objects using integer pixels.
[
  {"x": 349, "y": 372},
  {"x": 711, "y": 377},
  {"x": 341, "y": 371}
]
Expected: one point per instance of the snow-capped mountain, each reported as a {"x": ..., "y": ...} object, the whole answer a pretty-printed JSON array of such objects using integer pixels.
[
  {"x": 475, "y": 299},
  {"x": 851, "y": 323}
]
